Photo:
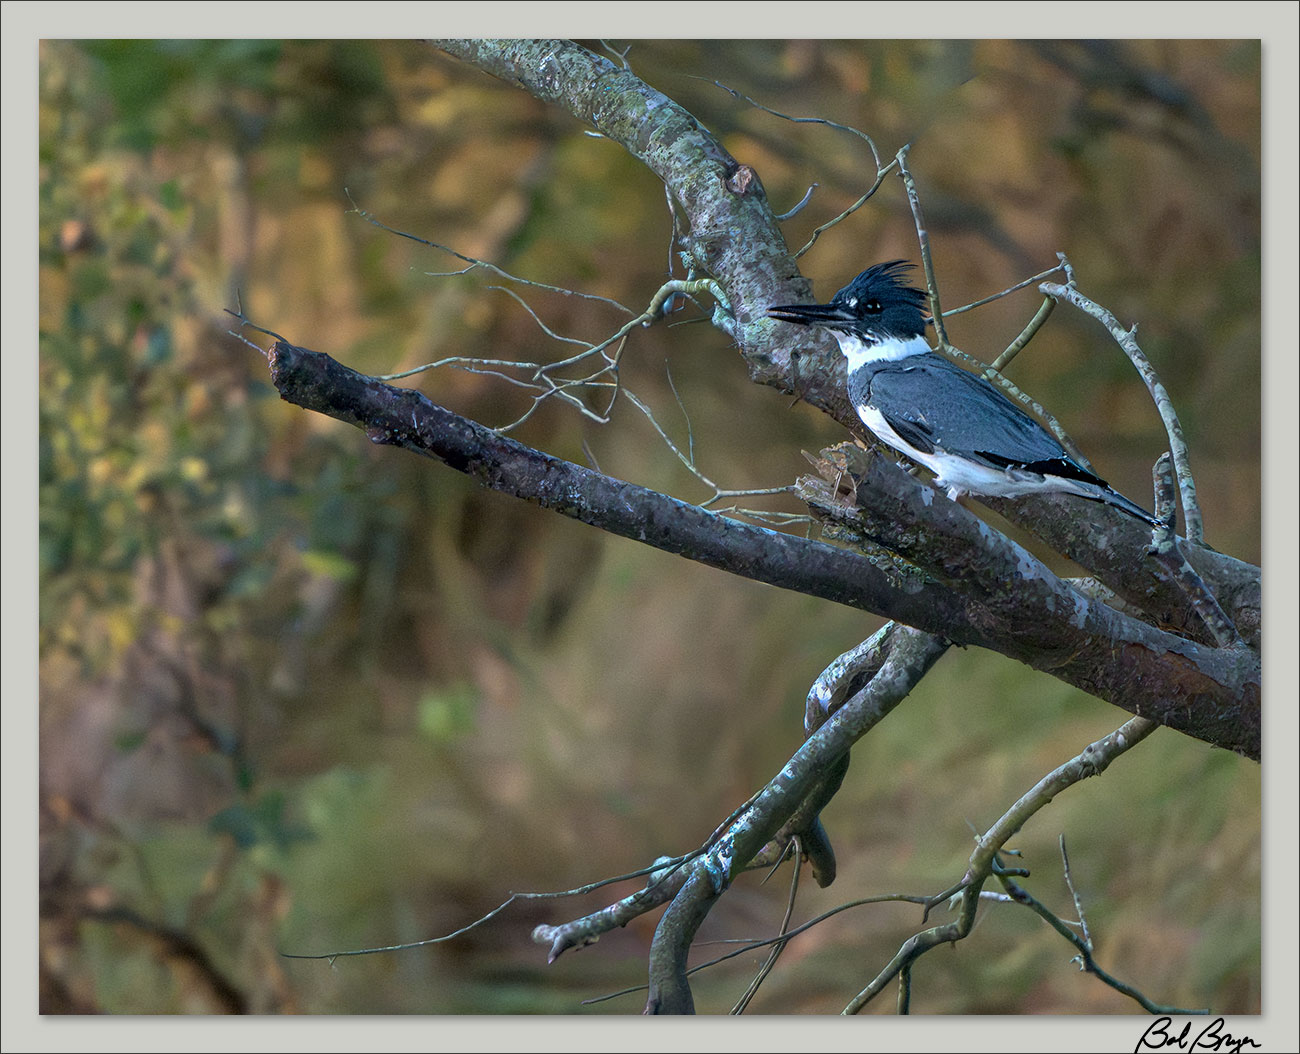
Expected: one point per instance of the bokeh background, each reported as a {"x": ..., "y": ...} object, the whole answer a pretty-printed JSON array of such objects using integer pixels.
[{"x": 300, "y": 694}]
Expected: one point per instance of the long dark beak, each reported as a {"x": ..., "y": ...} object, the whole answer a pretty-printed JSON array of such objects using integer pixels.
[{"x": 810, "y": 314}]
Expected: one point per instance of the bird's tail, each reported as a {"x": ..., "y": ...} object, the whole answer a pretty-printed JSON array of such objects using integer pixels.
[{"x": 1113, "y": 497}]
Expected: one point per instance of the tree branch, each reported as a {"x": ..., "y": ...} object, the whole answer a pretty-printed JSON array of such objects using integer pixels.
[
  {"x": 733, "y": 236},
  {"x": 977, "y": 593},
  {"x": 1092, "y": 761}
]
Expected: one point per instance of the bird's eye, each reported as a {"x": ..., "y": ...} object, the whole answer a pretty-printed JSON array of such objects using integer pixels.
[{"x": 873, "y": 306}]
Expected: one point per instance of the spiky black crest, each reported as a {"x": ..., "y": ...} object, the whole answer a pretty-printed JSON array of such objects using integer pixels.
[{"x": 885, "y": 281}]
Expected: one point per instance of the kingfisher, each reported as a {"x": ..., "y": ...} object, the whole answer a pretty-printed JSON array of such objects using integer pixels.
[{"x": 963, "y": 429}]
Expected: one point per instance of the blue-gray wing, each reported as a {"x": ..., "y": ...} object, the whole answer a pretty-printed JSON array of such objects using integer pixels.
[{"x": 936, "y": 405}]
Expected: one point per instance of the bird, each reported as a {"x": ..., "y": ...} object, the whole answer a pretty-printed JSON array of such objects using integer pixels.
[{"x": 924, "y": 406}]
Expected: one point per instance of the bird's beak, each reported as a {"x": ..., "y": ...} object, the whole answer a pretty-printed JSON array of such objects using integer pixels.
[{"x": 810, "y": 314}]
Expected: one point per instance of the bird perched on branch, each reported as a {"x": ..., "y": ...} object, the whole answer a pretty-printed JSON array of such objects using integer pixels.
[{"x": 958, "y": 425}]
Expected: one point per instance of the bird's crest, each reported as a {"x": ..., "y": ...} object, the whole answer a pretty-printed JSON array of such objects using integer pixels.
[{"x": 888, "y": 279}]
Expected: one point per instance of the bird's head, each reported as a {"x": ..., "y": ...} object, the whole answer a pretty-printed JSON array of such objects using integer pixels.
[{"x": 878, "y": 305}]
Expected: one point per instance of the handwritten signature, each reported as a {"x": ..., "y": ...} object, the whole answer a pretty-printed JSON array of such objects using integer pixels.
[{"x": 1211, "y": 1037}]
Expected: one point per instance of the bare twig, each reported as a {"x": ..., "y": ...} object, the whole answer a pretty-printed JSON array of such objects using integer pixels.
[
  {"x": 620, "y": 55},
  {"x": 1093, "y": 760},
  {"x": 474, "y": 262},
  {"x": 803, "y": 202},
  {"x": 1164, "y": 548},
  {"x": 1074, "y": 893},
  {"x": 805, "y": 120},
  {"x": 747, "y": 947},
  {"x": 923, "y": 237},
  {"x": 1083, "y": 943},
  {"x": 1127, "y": 340},
  {"x": 244, "y": 320},
  {"x": 769, "y": 964},
  {"x": 1026, "y": 335},
  {"x": 820, "y": 230},
  {"x": 881, "y": 171},
  {"x": 1023, "y": 284},
  {"x": 578, "y": 891}
]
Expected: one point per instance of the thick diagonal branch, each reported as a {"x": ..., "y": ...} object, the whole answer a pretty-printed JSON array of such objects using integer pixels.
[
  {"x": 1041, "y": 620},
  {"x": 1212, "y": 694}
]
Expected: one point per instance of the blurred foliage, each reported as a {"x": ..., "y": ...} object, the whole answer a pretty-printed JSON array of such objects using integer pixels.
[{"x": 301, "y": 694}]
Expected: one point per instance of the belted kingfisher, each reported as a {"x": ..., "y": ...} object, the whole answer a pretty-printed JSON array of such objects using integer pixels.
[{"x": 972, "y": 437}]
